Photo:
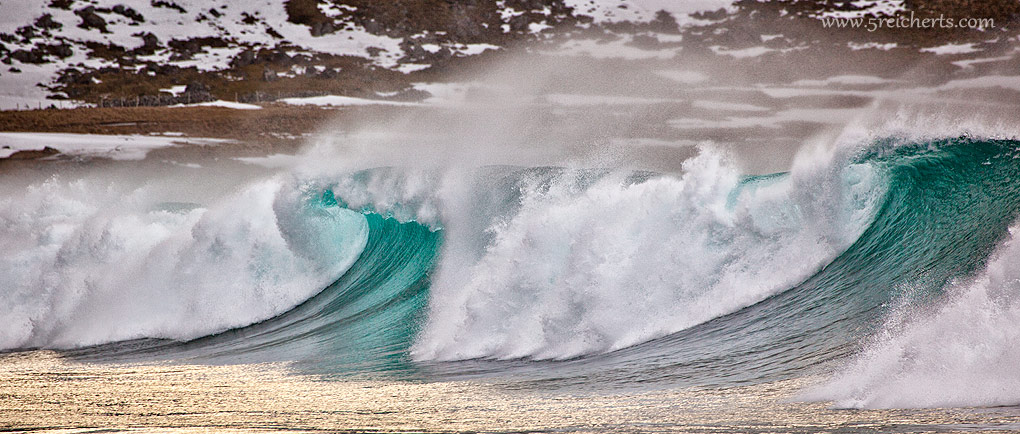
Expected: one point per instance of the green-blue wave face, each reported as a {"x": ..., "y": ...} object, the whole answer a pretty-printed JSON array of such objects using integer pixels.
[{"x": 946, "y": 205}]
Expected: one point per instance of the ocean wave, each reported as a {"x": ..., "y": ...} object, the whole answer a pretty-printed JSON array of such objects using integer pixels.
[
  {"x": 90, "y": 261},
  {"x": 706, "y": 276},
  {"x": 960, "y": 353},
  {"x": 585, "y": 267}
]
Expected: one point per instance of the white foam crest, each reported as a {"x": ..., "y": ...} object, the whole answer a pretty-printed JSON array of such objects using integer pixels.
[
  {"x": 583, "y": 270},
  {"x": 90, "y": 261},
  {"x": 962, "y": 354},
  {"x": 403, "y": 193}
]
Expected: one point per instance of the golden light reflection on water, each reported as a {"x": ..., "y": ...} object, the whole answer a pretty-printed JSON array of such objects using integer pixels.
[{"x": 41, "y": 391}]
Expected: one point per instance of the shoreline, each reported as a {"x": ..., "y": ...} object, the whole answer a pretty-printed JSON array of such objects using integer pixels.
[{"x": 47, "y": 393}]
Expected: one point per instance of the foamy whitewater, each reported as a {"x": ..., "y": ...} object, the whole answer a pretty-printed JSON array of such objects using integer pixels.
[
  {"x": 961, "y": 352},
  {"x": 885, "y": 265}
]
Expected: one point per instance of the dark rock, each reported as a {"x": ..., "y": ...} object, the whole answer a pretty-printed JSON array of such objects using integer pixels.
[
  {"x": 25, "y": 56},
  {"x": 276, "y": 58},
  {"x": 163, "y": 68},
  {"x": 61, "y": 4},
  {"x": 272, "y": 32},
  {"x": 168, "y": 5},
  {"x": 32, "y": 155},
  {"x": 46, "y": 22},
  {"x": 316, "y": 29},
  {"x": 444, "y": 53},
  {"x": 74, "y": 76},
  {"x": 413, "y": 51},
  {"x": 664, "y": 23},
  {"x": 27, "y": 33},
  {"x": 329, "y": 73},
  {"x": 711, "y": 15},
  {"x": 150, "y": 43},
  {"x": 128, "y": 12},
  {"x": 195, "y": 92},
  {"x": 246, "y": 58},
  {"x": 196, "y": 87},
  {"x": 90, "y": 19},
  {"x": 328, "y": 28},
  {"x": 62, "y": 50}
]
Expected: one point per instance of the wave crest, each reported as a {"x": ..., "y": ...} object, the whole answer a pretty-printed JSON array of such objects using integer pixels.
[
  {"x": 89, "y": 262},
  {"x": 588, "y": 267}
]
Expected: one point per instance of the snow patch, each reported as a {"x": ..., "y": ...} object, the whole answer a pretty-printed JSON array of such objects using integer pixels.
[
  {"x": 175, "y": 90},
  {"x": 340, "y": 101},
  {"x": 871, "y": 46},
  {"x": 117, "y": 147},
  {"x": 224, "y": 104},
  {"x": 877, "y": 8},
  {"x": 408, "y": 68},
  {"x": 951, "y": 49},
  {"x": 643, "y": 10},
  {"x": 742, "y": 53}
]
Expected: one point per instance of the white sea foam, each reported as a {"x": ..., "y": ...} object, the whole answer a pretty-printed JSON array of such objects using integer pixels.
[
  {"x": 89, "y": 261},
  {"x": 582, "y": 270},
  {"x": 964, "y": 353}
]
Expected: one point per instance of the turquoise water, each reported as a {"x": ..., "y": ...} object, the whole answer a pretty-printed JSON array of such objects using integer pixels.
[{"x": 929, "y": 214}]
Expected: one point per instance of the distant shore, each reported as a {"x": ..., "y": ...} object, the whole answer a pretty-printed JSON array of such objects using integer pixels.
[{"x": 276, "y": 128}]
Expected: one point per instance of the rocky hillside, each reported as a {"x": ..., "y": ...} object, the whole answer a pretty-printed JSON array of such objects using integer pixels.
[
  {"x": 125, "y": 51},
  {"x": 160, "y": 52}
]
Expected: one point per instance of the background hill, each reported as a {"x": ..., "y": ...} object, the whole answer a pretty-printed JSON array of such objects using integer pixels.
[{"x": 161, "y": 52}]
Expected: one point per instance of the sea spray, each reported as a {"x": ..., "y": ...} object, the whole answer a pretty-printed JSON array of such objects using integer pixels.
[
  {"x": 584, "y": 268},
  {"x": 90, "y": 262},
  {"x": 962, "y": 352}
]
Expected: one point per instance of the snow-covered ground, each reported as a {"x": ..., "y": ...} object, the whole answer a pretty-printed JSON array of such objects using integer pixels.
[
  {"x": 243, "y": 25},
  {"x": 224, "y": 104},
  {"x": 117, "y": 147},
  {"x": 340, "y": 101},
  {"x": 643, "y": 10},
  {"x": 230, "y": 20},
  {"x": 952, "y": 49}
]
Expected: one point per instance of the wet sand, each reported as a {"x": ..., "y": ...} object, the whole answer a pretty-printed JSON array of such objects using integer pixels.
[{"x": 41, "y": 391}]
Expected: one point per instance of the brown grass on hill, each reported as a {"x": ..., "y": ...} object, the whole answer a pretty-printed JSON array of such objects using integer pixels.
[
  {"x": 276, "y": 126},
  {"x": 192, "y": 121}
]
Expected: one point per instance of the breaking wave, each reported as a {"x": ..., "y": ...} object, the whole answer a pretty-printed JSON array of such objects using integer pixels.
[{"x": 884, "y": 262}]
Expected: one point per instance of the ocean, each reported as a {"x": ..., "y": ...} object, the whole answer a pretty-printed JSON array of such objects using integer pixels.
[
  {"x": 675, "y": 239},
  {"x": 878, "y": 275}
]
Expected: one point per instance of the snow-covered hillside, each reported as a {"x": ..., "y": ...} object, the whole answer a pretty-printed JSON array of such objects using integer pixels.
[
  {"x": 49, "y": 46},
  {"x": 165, "y": 52}
]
